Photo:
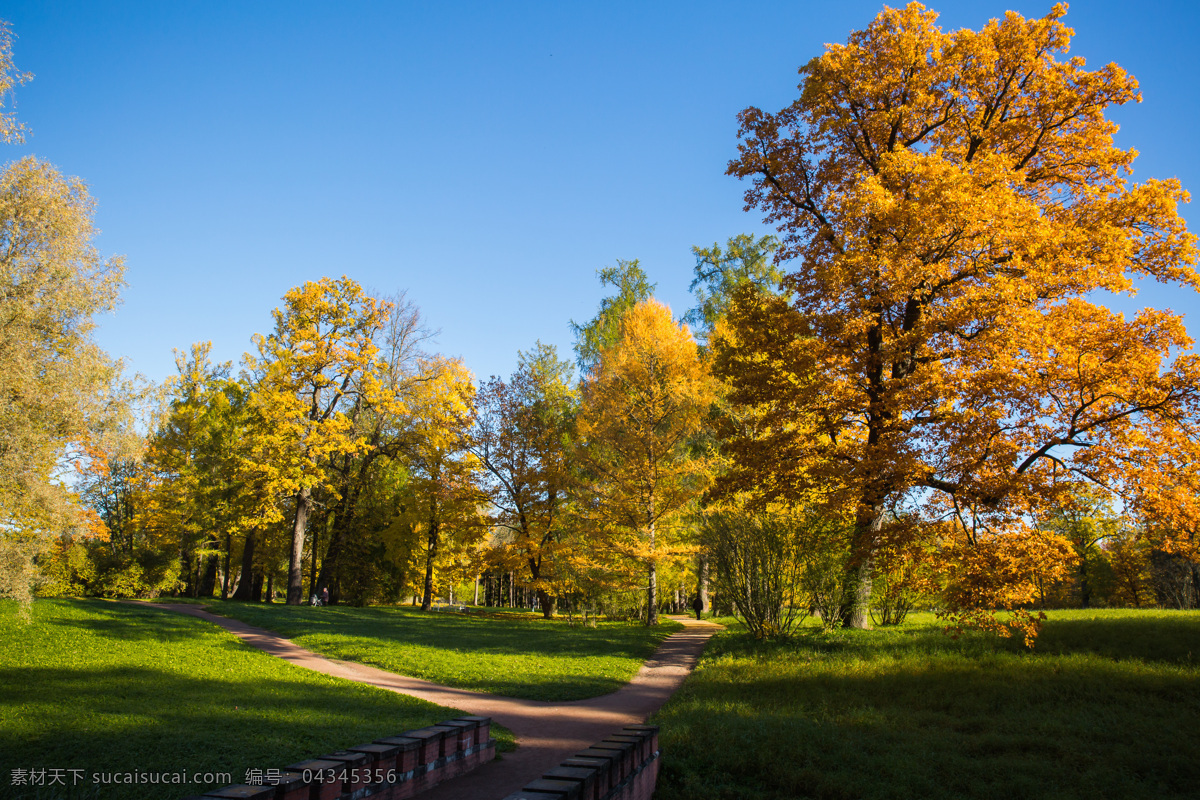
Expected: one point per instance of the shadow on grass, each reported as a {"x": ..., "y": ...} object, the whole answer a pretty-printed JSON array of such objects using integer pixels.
[
  {"x": 907, "y": 714},
  {"x": 1165, "y": 636},
  {"x": 140, "y": 719},
  {"x": 103, "y": 687},
  {"x": 446, "y": 630}
]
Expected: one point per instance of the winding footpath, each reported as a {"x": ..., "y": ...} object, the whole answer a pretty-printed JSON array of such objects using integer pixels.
[{"x": 547, "y": 733}]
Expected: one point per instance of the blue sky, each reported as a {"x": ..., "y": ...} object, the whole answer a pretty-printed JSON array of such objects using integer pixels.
[{"x": 486, "y": 157}]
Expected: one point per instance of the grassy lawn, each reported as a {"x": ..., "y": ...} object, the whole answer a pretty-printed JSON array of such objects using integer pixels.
[
  {"x": 511, "y": 655},
  {"x": 106, "y": 687},
  {"x": 1107, "y": 706}
]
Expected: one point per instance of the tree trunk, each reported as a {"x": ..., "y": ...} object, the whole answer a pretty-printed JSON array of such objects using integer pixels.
[
  {"x": 225, "y": 577},
  {"x": 271, "y": 588},
  {"x": 476, "y": 591},
  {"x": 702, "y": 587},
  {"x": 208, "y": 580},
  {"x": 861, "y": 584},
  {"x": 430, "y": 555},
  {"x": 549, "y": 606},
  {"x": 256, "y": 593},
  {"x": 343, "y": 516},
  {"x": 861, "y": 568},
  {"x": 312, "y": 570},
  {"x": 1085, "y": 591},
  {"x": 245, "y": 589},
  {"x": 652, "y": 581},
  {"x": 185, "y": 572},
  {"x": 295, "y": 589}
]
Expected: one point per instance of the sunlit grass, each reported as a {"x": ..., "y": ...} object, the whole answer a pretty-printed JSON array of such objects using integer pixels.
[
  {"x": 1106, "y": 706},
  {"x": 511, "y": 655},
  {"x": 109, "y": 687}
]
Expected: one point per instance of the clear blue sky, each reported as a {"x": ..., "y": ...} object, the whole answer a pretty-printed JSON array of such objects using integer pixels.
[{"x": 486, "y": 157}]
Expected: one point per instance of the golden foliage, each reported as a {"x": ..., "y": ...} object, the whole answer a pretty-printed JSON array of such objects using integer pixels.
[
  {"x": 54, "y": 380},
  {"x": 10, "y": 129},
  {"x": 321, "y": 361},
  {"x": 647, "y": 397},
  {"x": 950, "y": 199}
]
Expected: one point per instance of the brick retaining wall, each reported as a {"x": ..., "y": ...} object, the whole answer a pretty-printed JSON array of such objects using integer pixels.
[
  {"x": 394, "y": 768},
  {"x": 622, "y": 767}
]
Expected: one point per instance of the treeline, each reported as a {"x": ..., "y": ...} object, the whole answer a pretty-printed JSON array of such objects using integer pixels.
[{"x": 346, "y": 457}]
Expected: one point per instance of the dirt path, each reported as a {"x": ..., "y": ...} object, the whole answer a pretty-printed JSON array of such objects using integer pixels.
[{"x": 546, "y": 732}]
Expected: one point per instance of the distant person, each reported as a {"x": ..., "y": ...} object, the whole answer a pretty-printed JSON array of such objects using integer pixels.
[
  {"x": 698, "y": 606},
  {"x": 325, "y": 596}
]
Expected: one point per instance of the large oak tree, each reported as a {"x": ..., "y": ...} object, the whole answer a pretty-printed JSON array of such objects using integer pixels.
[{"x": 947, "y": 204}]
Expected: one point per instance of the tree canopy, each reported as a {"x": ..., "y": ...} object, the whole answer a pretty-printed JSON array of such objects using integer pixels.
[
  {"x": 947, "y": 201},
  {"x": 647, "y": 397},
  {"x": 56, "y": 385}
]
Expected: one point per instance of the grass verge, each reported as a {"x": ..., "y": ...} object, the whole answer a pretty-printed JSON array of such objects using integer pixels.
[
  {"x": 106, "y": 687},
  {"x": 1106, "y": 706},
  {"x": 514, "y": 656}
]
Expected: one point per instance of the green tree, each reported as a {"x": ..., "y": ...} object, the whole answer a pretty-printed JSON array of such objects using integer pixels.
[
  {"x": 722, "y": 272},
  {"x": 191, "y": 468},
  {"x": 520, "y": 436},
  {"x": 1086, "y": 521},
  {"x": 54, "y": 379},
  {"x": 603, "y": 330}
]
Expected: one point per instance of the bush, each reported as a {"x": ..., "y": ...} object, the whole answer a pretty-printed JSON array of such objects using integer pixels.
[
  {"x": 1175, "y": 579},
  {"x": 93, "y": 568},
  {"x": 774, "y": 568},
  {"x": 757, "y": 565}
]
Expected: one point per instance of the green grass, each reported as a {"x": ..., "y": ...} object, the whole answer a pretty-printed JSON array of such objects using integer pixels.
[
  {"x": 1106, "y": 706},
  {"x": 110, "y": 687},
  {"x": 510, "y": 655}
]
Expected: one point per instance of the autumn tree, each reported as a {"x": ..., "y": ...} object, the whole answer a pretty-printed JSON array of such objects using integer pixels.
[
  {"x": 110, "y": 555},
  {"x": 520, "y": 436},
  {"x": 321, "y": 361},
  {"x": 384, "y": 431},
  {"x": 1127, "y": 554},
  {"x": 744, "y": 264},
  {"x": 54, "y": 379},
  {"x": 946, "y": 204},
  {"x": 1084, "y": 519},
  {"x": 255, "y": 454},
  {"x": 11, "y": 129},
  {"x": 645, "y": 400},
  {"x": 443, "y": 504}
]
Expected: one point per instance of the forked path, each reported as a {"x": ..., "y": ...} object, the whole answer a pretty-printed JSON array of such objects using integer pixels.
[{"x": 547, "y": 732}]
